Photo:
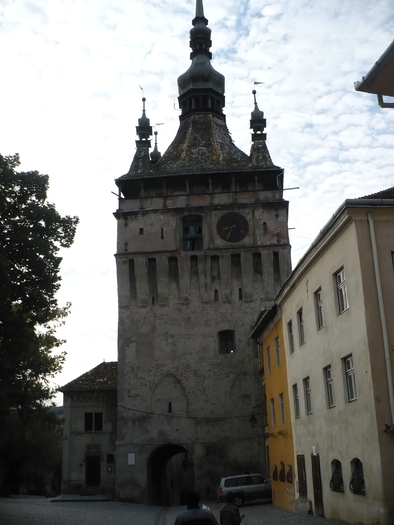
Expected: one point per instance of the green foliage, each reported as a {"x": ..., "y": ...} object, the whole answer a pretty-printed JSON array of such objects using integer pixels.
[{"x": 31, "y": 234}]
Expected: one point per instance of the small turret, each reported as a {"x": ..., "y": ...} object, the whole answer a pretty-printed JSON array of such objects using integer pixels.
[
  {"x": 144, "y": 129},
  {"x": 155, "y": 155},
  {"x": 257, "y": 121}
]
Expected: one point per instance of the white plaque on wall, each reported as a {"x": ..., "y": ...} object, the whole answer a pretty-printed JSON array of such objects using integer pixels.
[{"x": 131, "y": 458}]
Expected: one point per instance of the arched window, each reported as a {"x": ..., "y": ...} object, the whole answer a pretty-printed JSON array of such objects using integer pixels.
[
  {"x": 282, "y": 476},
  {"x": 336, "y": 481},
  {"x": 275, "y": 473},
  {"x": 289, "y": 474},
  {"x": 357, "y": 483},
  {"x": 192, "y": 233}
]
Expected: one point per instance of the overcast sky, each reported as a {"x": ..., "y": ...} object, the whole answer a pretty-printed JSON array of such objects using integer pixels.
[{"x": 70, "y": 72}]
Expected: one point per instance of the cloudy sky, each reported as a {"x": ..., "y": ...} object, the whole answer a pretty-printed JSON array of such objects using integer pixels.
[{"x": 70, "y": 72}]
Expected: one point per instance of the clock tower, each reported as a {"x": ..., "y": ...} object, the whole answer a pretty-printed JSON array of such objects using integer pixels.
[{"x": 202, "y": 247}]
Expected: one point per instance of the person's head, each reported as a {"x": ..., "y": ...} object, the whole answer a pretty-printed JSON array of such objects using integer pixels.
[
  {"x": 192, "y": 499},
  {"x": 230, "y": 497}
]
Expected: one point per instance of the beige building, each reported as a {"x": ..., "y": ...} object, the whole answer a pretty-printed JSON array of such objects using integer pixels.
[
  {"x": 89, "y": 435},
  {"x": 337, "y": 313},
  {"x": 202, "y": 244}
]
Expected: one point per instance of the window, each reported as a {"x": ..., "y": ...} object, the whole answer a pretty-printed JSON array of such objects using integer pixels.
[
  {"x": 226, "y": 342},
  {"x": 342, "y": 299},
  {"x": 192, "y": 233},
  {"x": 282, "y": 475},
  {"x": 269, "y": 360},
  {"x": 296, "y": 401},
  {"x": 277, "y": 351},
  {"x": 357, "y": 483},
  {"x": 141, "y": 232},
  {"x": 319, "y": 309},
  {"x": 329, "y": 387},
  {"x": 273, "y": 412},
  {"x": 289, "y": 474},
  {"x": 301, "y": 333},
  {"x": 282, "y": 408},
  {"x": 350, "y": 378},
  {"x": 307, "y": 394},
  {"x": 93, "y": 421},
  {"x": 291, "y": 336},
  {"x": 336, "y": 481}
]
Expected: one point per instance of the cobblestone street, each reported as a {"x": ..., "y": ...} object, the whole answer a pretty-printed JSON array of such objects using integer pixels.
[{"x": 40, "y": 511}]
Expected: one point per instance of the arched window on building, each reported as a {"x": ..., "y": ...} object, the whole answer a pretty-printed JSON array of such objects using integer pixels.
[
  {"x": 357, "y": 483},
  {"x": 336, "y": 481},
  {"x": 282, "y": 476}
]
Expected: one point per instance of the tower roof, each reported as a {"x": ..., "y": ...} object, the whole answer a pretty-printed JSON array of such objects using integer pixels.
[{"x": 203, "y": 142}]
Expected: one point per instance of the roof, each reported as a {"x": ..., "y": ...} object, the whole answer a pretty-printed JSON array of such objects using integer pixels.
[
  {"x": 203, "y": 141},
  {"x": 380, "y": 79},
  {"x": 382, "y": 199},
  {"x": 384, "y": 194},
  {"x": 102, "y": 377}
]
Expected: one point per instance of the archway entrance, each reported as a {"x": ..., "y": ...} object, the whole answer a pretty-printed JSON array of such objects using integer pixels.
[{"x": 170, "y": 475}]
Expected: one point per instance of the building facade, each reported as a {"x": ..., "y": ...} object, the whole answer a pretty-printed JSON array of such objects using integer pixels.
[
  {"x": 202, "y": 245},
  {"x": 89, "y": 432},
  {"x": 336, "y": 310},
  {"x": 276, "y": 408}
]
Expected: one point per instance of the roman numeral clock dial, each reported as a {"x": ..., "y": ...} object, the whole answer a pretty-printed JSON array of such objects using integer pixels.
[{"x": 232, "y": 226}]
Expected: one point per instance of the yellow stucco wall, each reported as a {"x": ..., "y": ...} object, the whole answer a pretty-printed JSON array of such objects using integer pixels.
[{"x": 280, "y": 437}]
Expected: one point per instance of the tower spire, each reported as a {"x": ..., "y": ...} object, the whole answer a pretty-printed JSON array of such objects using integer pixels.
[
  {"x": 257, "y": 121},
  {"x": 201, "y": 88}
]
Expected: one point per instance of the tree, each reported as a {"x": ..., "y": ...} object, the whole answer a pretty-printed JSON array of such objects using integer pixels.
[{"x": 31, "y": 235}]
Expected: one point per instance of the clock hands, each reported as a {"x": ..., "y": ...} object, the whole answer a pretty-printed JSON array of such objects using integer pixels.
[{"x": 229, "y": 228}]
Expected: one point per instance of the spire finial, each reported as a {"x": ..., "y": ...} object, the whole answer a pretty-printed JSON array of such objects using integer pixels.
[
  {"x": 257, "y": 121},
  {"x": 144, "y": 129},
  {"x": 199, "y": 9},
  {"x": 155, "y": 155}
]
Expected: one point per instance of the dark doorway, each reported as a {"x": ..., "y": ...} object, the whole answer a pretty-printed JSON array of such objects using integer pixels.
[
  {"x": 317, "y": 485},
  {"x": 302, "y": 488},
  {"x": 170, "y": 475},
  {"x": 92, "y": 470}
]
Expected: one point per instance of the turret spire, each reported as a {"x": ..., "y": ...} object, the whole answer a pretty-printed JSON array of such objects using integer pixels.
[
  {"x": 201, "y": 88},
  {"x": 257, "y": 121}
]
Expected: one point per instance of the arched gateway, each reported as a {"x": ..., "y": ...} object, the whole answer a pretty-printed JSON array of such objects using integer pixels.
[{"x": 170, "y": 475}]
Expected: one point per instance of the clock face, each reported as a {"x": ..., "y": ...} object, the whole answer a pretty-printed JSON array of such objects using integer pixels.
[{"x": 232, "y": 226}]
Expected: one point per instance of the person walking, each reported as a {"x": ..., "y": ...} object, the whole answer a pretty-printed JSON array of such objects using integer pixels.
[
  {"x": 195, "y": 515},
  {"x": 229, "y": 513}
]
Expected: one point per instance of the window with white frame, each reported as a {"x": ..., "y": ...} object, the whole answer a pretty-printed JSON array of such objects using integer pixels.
[
  {"x": 301, "y": 331},
  {"x": 329, "y": 387},
  {"x": 296, "y": 401},
  {"x": 268, "y": 360},
  {"x": 319, "y": 309},
  {"x": 277, "y": 351},
  {"x": 290, "y": 336},
  {"x": 273, "y": 418},
  {"x": 350, "y": 378},
  {"x": 342, "y": 299},
  {"x": 282, "y": 408},
  {"x": 307, "y": 394}
]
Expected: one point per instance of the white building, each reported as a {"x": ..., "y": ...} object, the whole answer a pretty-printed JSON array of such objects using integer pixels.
[{"x": 338, "y": 307}]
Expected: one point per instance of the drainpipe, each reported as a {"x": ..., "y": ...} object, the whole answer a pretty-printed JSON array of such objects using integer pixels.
[{"x": 382, "y": 316}]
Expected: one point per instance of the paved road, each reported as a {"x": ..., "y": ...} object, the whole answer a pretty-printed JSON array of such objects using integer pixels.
[{"x": 40, "y": 511}]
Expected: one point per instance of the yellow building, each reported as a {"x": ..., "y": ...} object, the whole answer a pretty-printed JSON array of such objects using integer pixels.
[{"x": 279, "y": 437}]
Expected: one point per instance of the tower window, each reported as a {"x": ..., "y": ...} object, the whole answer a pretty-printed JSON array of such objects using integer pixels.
[
  {"x": 141, "y": 231},
  {"x": 226, "y": 342},
  {"x": 192, "y": 233}
]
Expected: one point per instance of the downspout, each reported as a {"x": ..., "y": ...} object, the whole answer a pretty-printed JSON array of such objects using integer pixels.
[{"x": 382, "y": 316}]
